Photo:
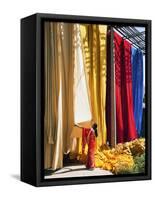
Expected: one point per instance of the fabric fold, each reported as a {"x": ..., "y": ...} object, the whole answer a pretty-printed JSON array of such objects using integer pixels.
[
  {"x": 93, "y": 39},
  {"x": 59, "y": 78}
]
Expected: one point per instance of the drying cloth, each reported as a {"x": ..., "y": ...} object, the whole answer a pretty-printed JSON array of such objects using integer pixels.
[
  {"x": 125, "y": 122},
  {"x": 137, "y": 89}
]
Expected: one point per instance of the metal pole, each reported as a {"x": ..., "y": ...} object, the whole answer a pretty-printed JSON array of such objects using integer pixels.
[{"x": 113, "y": 96}]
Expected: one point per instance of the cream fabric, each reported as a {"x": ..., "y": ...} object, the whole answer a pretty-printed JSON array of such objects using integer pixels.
[
  {"x": 67, "y": 77},
  {"x": 52, "y": 90},
  {"x": 59, "y": 116},
  {"x": 82, "y": 110}
]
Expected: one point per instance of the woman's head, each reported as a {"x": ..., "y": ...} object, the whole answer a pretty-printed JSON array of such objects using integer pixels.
[{"x": 94, "y": 126}]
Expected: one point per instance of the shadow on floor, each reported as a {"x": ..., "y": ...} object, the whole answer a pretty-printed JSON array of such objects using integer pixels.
[
  {"x": 70, "y": 170},
  {"x": 15, "y": 176}
]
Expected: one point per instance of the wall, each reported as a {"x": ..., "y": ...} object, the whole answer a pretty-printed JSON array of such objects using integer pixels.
[{"x": 10, "y": 14}]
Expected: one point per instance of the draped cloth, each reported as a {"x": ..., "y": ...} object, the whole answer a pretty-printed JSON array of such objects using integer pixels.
[
  {"x": 125, "y": 122},
  {"x": 137, "y": 79},
  {"x": 52, "y": 90},
  {"x": 94, "y": 53},
  {"x": 58, "y": 108},
  {"x": 67, "y": 76},
  {"x": 82, "y": 111}
]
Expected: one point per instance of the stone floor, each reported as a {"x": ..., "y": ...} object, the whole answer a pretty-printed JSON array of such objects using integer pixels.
[{"x": 77, "y": 171}]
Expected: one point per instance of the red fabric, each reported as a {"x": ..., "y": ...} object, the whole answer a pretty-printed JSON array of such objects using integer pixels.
[
  {"x": 88, "y": 137},
  {"x": 125, "y": 123}
]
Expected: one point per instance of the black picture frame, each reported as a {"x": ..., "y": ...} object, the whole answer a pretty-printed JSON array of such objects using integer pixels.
[{"x": 31, "y": 84}]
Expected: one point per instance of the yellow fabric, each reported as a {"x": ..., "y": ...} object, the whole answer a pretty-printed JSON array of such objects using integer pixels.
[
  {"x": 94, "y": 53},
  {"x": 119, "y": 159},
  {"x": 59, "y": 68}
]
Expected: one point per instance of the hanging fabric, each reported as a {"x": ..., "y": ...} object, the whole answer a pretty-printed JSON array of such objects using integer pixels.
[
  {"x": 125, "y": 123},
  {"x": 67, "y": 76},
  {"x": 82, "y": 111},
  {"x": 59, "y": 112},
  {"x": 94, "y": 53},
  {"x": 137, "y": 79},
  {"x": 52, "y": 133}
]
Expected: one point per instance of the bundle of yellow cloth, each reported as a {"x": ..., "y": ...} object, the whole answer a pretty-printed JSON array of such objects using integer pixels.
[{"x": 118, "y": 159}]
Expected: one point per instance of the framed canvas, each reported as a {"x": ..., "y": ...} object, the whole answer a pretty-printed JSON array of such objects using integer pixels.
[{"x": 85, "y": 99}]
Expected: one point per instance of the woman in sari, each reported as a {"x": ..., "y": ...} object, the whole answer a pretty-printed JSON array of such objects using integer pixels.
[{"x": 89, "y": 137}]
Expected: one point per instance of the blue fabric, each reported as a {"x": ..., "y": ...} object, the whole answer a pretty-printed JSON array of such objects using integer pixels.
[{"x": 137, "y": 86}]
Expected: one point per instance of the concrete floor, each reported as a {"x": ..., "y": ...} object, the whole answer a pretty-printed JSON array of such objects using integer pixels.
[{"x": 77, "y": 171}]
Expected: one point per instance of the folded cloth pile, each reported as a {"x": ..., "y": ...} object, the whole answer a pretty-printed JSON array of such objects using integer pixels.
[{"x": 120, "y": 159}]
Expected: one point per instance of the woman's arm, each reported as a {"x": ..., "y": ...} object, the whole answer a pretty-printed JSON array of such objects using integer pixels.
[{"x": 78, "y": 126}]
